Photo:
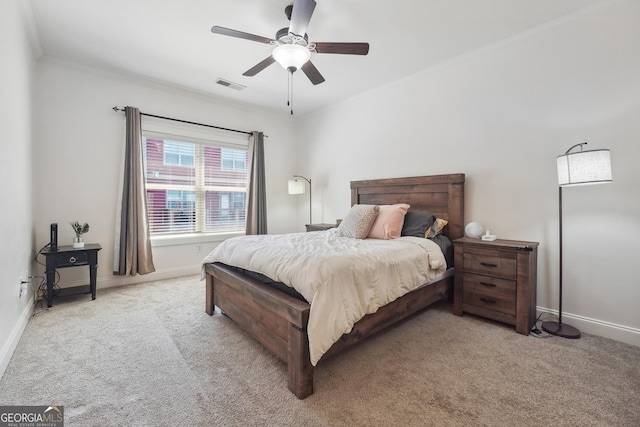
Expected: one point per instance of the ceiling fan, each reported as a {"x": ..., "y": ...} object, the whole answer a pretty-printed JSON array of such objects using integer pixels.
[{"x": 292, "y": 46}]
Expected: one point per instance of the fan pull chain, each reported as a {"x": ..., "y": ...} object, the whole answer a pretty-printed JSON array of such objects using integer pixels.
[
  {"x": 290, "y": 100},
  {"x": 288, "y": 89}
]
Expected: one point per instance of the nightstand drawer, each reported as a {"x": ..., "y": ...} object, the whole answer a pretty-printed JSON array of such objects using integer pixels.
[
  {"x": 72, "y": 259},
  {"x": 490, "y": 302},
  {"x": 480, "y": 262},
  {"x": 492, "y": 286}
]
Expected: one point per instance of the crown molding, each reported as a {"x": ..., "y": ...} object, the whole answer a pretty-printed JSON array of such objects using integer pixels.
[{"x": 32, "y": 29}]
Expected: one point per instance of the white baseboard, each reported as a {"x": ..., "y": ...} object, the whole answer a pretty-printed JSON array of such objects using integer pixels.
[
  {"x": 113, "y": 281},
  {"x": 171, "y": 273},
  {"x": 601, "y": 328},
  {"x": 10, "y": 345}
]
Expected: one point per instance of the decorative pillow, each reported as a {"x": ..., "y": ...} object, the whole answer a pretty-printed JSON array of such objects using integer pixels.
[
  {"x": 446, "y": 246},
  {"x": 388, "y": 223},
  {"x": 436, "y": 228},
  {"x": 358, "y": 221},
  {"x": 417, "y": 223}
]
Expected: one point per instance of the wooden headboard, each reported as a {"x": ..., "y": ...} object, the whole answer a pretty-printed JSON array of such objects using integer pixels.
[{"x": 442, "y": 195}]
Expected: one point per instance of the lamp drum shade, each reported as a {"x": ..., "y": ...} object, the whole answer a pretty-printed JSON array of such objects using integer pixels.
[
  {"x": 296, "y": 187},
  {"x": 584, "y": 167}
]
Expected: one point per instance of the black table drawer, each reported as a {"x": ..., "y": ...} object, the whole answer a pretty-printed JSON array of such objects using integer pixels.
[{"x": 72, "y": 259}]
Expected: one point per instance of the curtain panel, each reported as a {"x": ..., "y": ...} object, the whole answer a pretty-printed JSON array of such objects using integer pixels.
[
  {"x": 132, "y": 249},
  {"x": 256, "y": 194}
]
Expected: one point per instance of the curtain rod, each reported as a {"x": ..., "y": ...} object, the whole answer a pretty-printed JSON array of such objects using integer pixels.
[{"x": 116, "y": 109}]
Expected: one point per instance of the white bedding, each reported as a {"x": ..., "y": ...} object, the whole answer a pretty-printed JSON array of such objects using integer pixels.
[{"x": 342, "y": 278}]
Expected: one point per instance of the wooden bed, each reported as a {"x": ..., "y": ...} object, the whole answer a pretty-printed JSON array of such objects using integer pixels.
[{"x": 279, "y": 320}]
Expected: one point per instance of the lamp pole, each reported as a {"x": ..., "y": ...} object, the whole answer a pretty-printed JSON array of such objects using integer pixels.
[
  {"x": 560, "y": 257},
  {"x": 309, "y": 181},
  {"x": 558, "y": 328}
]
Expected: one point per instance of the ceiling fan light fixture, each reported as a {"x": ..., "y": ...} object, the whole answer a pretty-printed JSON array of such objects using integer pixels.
[{"x": 291, "y": 56}]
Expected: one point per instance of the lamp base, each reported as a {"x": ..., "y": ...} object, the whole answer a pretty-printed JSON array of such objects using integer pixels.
[{"x": 561, "y": 330}]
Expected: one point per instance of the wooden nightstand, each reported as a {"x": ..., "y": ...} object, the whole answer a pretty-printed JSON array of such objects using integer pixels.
[
  {"x": 496, "y": 280},
  {"x": 319, "y": 227}
]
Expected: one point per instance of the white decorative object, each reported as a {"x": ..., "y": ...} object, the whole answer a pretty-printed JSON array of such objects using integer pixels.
[
  {"x": 488, "y": 236},
  {"x": 473, "y": 229},
  {"x": 78, "y": 242}
]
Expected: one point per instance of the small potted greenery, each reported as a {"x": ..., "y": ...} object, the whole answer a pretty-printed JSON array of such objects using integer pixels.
[{"x": 79, "y": 229}]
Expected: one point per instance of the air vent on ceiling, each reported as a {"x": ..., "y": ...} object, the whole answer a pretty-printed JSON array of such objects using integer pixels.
[{"x": 229, "y": 84}]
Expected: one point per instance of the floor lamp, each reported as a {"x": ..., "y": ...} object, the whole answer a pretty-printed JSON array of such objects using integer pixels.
[
  {"x": 296, "y": 186},
  {"x": 578, "y": 168}
]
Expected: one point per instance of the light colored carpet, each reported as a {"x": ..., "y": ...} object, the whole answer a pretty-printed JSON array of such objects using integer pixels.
[{"x": 148, "y": 355}]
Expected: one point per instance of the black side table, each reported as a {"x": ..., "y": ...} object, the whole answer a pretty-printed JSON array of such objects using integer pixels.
[{"x": 68, "y": 256}]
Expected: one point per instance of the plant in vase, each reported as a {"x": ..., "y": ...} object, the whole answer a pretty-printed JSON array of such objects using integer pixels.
[{"x": 79, "y": 229}]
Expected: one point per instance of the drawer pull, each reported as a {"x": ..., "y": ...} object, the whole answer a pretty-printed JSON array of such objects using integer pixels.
[
  {"x": 72, "y": 259},
  {"x": 488, "y": 264},
  {"x": 488, "y": 300},
  {"x": 489, "y": 285}
]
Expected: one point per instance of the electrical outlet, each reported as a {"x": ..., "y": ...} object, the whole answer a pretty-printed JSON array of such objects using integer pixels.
[{"x": 24, "y": 287}]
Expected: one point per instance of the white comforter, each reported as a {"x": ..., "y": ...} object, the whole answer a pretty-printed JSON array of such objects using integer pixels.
[{"x": 342, "y": 278}]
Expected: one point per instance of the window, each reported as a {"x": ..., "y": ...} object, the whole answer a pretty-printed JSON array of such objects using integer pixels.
[
  {"x": 233, "y": 160},
  {"x": 194, "y": 187},
  {"x": 178, "y": 153}
]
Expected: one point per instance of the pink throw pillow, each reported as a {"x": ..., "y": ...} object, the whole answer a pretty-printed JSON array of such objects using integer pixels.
[{"x": 388, "y": 223}]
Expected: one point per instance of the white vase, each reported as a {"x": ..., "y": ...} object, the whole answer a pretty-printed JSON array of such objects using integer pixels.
[{"x": 78, "y": 242}]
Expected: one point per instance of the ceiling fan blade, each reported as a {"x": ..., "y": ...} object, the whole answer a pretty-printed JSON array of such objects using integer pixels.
[
  {"x": 240, "y": 34},
  {"x": 300, "y": 16},
  {"x": 259, "y": 66},
  {"x": 312, "y": 73},
  {"x": 343, "y": 48}
]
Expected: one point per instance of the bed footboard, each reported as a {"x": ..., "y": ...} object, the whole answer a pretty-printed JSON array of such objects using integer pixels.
[{"x": 277, "y": 320}]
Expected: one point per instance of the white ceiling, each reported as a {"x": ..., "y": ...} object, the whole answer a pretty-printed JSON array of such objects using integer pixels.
[{"x": 171, "y": 41}]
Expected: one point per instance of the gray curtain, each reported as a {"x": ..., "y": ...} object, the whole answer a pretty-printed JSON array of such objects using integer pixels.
[
  {"x": 132, "y": 254},
  {"x": 256, "y": 196}
]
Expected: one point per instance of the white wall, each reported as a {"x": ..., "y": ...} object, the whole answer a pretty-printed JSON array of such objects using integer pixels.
[
  {"x": 501, "y": 115},
  {"x": 78, "y": 149},
  {"x": 17, "y": 74}
]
